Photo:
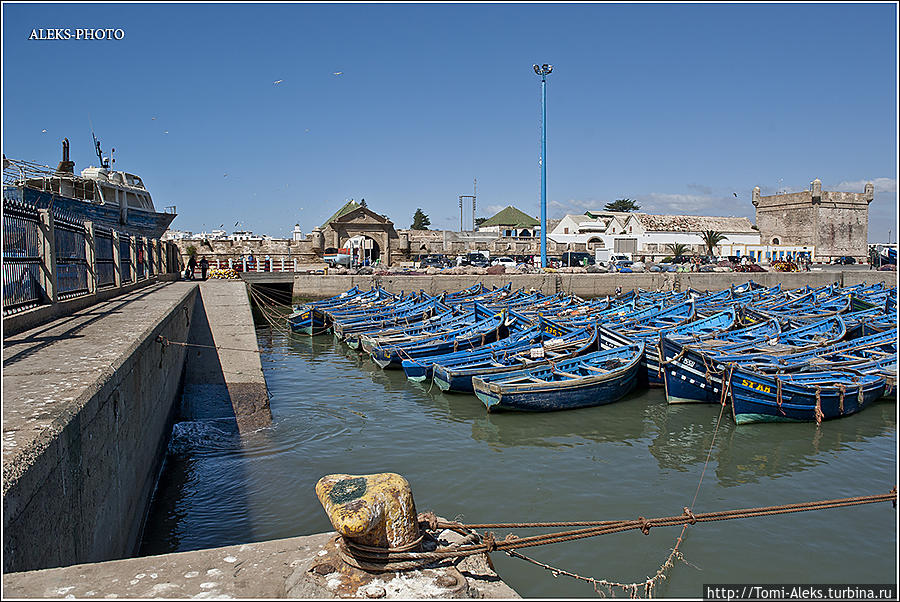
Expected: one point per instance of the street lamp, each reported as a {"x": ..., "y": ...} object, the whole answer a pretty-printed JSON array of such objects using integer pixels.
[{"x": 543, "y": 70}]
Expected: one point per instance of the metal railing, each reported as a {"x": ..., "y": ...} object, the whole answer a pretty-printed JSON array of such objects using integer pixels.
[
  {"x": 22, "y": 287},
  {"x": 104, "y": 258},
  {"x": 140, "y": 260},
  {"x": 125, "y": 256},
  {"x": 50, "y": 256},
  {"x": 71, "y": 257}
]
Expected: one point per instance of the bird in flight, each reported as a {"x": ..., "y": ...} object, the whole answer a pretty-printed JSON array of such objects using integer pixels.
[
  {"x": 338, "y": 73},
  {"x": 166, "y": 132},
  {"x": 224, "y": 175},
  {"x": 735, "y": 194},
  {"x": 277, "y": 81},
  {"x": 43, "y": 131},
  {"x": 153, "y": 119}
]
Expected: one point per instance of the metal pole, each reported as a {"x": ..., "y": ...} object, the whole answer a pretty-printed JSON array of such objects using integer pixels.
[{"x": 543, "y": 170}]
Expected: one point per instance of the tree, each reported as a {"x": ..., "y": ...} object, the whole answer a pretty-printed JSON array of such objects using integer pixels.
[
  {"x": 420, "y": 220},
  {"x": 480, "y": 220},
  {"x": 711, "y": 238},
  {"x": 622, "y": 205},
  {"x": 678, "y": 250}
]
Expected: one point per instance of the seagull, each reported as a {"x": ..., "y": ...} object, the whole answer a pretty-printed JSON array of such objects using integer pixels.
[
  {"x": 166, "y": 132},
  {"x": 735, "y": 194},
  {"x": 153, "y": 119},
  {"x": 224, "y": 175},
  {"x": 277, "y": 81},
  {"x": 43, "y": 131},
  {"x": 338, "y": 73}
]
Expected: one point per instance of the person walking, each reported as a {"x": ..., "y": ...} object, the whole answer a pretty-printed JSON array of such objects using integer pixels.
[
  {"x": 204, "y": 266},
  {"x": 191, "y": 266}
]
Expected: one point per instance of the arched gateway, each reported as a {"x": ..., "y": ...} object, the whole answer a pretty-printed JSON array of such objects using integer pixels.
[{"x": 359, "y": 227}]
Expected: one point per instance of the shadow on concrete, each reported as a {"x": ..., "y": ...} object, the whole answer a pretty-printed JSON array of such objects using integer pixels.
[
  {"x": 201, "y": 498},
  {"x": 38, "y": 338}
]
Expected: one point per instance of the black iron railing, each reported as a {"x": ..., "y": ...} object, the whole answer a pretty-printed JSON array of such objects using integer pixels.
[{"x": 22, "y": 287}]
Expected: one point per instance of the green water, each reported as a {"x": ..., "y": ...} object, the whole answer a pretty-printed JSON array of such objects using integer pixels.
[{"x": 335, "y": 411}]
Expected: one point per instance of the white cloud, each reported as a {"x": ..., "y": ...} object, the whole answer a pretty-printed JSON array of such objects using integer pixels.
[
  {"x": 695, "y": 204},
  {"x": 881, "y": 185}
]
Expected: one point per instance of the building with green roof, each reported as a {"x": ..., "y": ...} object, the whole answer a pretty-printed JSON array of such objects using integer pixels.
[{"x": 512, "y": 222}]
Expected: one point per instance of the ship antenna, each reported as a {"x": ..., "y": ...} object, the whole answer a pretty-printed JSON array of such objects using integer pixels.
[{"x": 103, "y": 163}]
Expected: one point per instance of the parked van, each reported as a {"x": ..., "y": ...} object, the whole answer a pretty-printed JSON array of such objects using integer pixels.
[{"x": 576, "y": 258}]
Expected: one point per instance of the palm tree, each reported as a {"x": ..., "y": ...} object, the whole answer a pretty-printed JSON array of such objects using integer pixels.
[
  {"x": 678, "y": 250},
  {"x": 622, "y": 205},
  {"x": 711, "y": 238}
]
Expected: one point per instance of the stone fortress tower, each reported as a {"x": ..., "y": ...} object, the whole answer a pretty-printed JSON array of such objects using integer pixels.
[{"x": 836, "y": 223}]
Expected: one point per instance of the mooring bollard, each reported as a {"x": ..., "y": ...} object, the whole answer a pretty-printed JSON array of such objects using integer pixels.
[{"x": 374, "y": 510}]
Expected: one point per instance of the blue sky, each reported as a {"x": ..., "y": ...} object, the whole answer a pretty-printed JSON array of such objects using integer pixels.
[{"x": 676, "y": 106}]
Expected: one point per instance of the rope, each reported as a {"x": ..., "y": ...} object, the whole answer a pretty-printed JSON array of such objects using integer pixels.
[
  {"x": 819, "y": 414},
  {"x": 386, "y": 557}
]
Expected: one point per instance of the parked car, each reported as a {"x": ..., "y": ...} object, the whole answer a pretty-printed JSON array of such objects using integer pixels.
[
  {"x": 432, "y": 261},
  {"x": 506, "y": 262},
  {"x": 576, "y": 258},
  {"x": 475, "y": 259},
  {"x": 845, "y": 260}
]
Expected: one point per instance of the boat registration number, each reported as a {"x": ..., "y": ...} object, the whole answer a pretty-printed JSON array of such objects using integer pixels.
[
  {"x": 688, "y": 363},
  {"x": 757, "y": 386}
]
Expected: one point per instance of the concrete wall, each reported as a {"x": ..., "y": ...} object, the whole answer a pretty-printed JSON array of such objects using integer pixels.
[
  {"x": 227, "y": 382},
  {"x": 86, "y": 418},
  {"x": 311, "y": 286}
]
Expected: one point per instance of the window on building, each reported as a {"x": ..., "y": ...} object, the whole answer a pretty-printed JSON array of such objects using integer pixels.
[
  {"x": 775, "y": 241},
  {"x": 567, "y": 231}
]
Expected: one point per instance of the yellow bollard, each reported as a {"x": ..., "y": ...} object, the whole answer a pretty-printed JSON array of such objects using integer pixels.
[{"x": 374, "y": 510}]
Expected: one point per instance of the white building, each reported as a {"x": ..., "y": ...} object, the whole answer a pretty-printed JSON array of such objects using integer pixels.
[
  {"x": 651, "y": 236},
  {"x": 296, "y": 234},
  {"x": 242, "y": 235},
  {"x": 176, "y": 235}
]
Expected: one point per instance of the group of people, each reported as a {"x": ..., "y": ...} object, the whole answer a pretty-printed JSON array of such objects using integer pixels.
[{"x": 192, "y": 265}]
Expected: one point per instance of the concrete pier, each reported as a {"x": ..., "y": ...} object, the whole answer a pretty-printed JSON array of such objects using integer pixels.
[
  {"x": 88, "y": 403},
  {"x": 283, "y": 568},
  {"x": 223, "y": 373},
  {"x": 583, "y": 285}
]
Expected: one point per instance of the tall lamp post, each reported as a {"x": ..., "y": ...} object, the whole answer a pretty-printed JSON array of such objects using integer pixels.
[{"x": 543, "y": 70}]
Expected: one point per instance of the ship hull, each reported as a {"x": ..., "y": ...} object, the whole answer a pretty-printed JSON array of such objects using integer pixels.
[{"x": 140, "y": 222}]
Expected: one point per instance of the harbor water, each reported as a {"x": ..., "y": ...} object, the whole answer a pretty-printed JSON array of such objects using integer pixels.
[{"x": 335, "y": 411}]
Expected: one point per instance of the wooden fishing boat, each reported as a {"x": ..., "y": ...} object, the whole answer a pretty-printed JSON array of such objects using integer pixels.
[
  {"x": 799, "y": 397},
  {"x": 400, "y": 316},
  {"x": 419, "y": 369},
  {"x": 309, "y": 319},
  {"x": 594, "y": 379},
  {"x": 476, "y": 335},
  {"x": 456, "y": 374},
  {"x": 368, "y": 341}
]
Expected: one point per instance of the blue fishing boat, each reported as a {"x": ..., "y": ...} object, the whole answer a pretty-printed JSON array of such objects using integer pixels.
[
  {"x": 651, "y": 371},
  {"x": 469, "y": 337},
  {"x": 309, "y": 319},
  {"x": 456, "y": 374},
  {"x": 463, "y": 318},
  {"x": 800, "y": 397},
  {"x": 403, "y": 314},
  {"x": 420, "y": 368},
  {"x": 594, "y": 379}
]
